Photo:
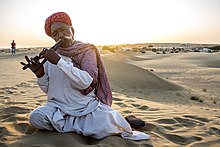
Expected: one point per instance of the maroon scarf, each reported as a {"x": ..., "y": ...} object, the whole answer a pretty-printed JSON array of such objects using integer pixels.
[{"x": 83, "y": 57}]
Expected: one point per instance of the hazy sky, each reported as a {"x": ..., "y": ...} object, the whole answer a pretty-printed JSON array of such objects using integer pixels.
[{"x": 113, "y": 21}]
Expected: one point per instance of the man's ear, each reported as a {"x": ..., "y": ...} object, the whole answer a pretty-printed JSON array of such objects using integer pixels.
[{"x": 72, "y": 30}]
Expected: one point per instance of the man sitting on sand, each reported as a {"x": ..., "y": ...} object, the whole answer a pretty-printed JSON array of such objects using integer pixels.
[{"x": 75, "y": 81}]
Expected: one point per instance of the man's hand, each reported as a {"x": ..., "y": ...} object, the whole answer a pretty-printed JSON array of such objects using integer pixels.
[
  {"x": 50, "y": 55},
  {"x": 32, "y": 64}
]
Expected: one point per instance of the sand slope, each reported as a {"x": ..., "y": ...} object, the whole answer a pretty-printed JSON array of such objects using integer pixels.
[{"x": 160, "y": 97}]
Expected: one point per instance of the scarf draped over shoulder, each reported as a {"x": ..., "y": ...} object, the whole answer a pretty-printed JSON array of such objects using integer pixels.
[{"x": 86, "y": 57}]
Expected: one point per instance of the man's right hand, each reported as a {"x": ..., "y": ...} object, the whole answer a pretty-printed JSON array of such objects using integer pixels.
[{"x": 32, "y": 65}]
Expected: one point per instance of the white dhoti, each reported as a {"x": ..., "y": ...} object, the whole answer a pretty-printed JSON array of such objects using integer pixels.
[{"x": 101, "y": 122}]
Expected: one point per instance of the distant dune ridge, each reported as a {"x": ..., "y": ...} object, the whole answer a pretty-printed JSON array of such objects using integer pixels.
[{"x": 177, "y": 95}]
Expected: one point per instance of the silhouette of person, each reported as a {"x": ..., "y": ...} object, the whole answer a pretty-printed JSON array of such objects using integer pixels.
[{"x": 13, "y": 47}]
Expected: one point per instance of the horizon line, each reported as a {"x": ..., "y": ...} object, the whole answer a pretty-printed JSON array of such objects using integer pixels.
[{"x": 124, "y": 44}]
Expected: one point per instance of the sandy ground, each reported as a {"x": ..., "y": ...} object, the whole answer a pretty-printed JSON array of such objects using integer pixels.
[{"x": 177, "y": 95}]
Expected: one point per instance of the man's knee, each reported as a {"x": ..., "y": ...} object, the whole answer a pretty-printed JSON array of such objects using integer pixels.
[
  {"x": 36, "y": 119},
  {"x": 40, "y": 121}
]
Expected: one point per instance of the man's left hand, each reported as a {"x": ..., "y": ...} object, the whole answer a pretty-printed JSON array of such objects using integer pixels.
[{"x": 50, "y": 55}]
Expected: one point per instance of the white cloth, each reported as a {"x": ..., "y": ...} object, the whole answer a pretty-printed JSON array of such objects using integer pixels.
[
  {"x": 67, "y": 110},
  {"x": 135, "y": 135}
]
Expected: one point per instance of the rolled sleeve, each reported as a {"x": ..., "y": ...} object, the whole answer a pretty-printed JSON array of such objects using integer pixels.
[{"x": 81, "y": 78}]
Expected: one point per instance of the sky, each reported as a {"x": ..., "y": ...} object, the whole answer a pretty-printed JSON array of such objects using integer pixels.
[{"x": 106, "y": 22}]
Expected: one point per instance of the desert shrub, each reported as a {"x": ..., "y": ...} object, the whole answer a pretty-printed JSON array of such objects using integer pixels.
[
  {"x": 195, "y": 98},
  {"x": 215, "y": 48},
  {"x": 108, "y": 48},
  {"x": 154, "y": 50}
]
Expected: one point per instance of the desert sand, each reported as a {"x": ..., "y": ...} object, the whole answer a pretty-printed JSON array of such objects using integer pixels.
[{"x": 177, "y": 95}]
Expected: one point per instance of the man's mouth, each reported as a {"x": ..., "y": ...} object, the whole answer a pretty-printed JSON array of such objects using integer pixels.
[
  {"x": 67, "y": 37},
  {"x": 67, "y": 40}
]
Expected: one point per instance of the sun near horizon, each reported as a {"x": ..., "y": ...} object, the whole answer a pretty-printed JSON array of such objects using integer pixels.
[{"x": 113, "y": 22}]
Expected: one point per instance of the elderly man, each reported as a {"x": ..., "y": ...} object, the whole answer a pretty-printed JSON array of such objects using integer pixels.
[{"x": 75, "y": 81}]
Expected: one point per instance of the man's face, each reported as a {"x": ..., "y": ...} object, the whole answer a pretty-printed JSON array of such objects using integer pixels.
[{"x": 61, "y": 30}]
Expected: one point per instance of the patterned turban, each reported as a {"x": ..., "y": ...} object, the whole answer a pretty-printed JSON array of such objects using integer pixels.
[{"x": 56, "y": 17}]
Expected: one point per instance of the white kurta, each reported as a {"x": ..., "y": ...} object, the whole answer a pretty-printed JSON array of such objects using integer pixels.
[
  {"x": 62, "y": 84},
  {"x": 67, "y": 110}
]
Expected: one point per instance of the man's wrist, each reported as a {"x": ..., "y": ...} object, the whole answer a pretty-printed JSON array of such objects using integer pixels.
[
  {"x": 58, "y": 59},
  {"x": 40, "y": 72},
  {"x": 39, "y": 75}
]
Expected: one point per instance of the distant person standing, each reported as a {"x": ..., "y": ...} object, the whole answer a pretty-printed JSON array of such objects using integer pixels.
[{"x": 13, "y": 47}]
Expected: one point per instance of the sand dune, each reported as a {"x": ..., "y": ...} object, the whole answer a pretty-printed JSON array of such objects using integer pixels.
[
  {"x": 161, "y": 97},
  {"x": 135, "y": 77}
]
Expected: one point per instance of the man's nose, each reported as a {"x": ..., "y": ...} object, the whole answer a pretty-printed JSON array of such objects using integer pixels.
[{"x": 60, "y": 34}]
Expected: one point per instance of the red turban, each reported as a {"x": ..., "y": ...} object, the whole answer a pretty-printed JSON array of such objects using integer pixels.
[{"x": 56, "y": 17}]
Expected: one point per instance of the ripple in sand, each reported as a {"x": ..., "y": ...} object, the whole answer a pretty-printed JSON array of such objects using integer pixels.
[
  {"x": 176, "y": 139},
  {"x": 169, "y": 128},
  {"x": 203, "y": 119},
  {"x": 153, "y": 109},
  {"x": 14, "y": 103},
  {"x": 181, "y": 140},
  {"x": 15, "y": 110},
  {"x": 187, "y": 122},
  {"x": 14, "y": 119},
  {"x": 8, "y": 88},
  {"x": 121, "y": 104},
  {"x": 136, "y": 105},
  {"x": 26, "y": 85},
  {"x": 166, "y": 121},
  {"x": 3, "y": 145},
  {"x": 214, "y": 143},
  {"x": 143, "y": 107},
  {"x": 127, "y": 111},
  {"x": 117, "y": 99},
  {"x": 148, "y": 127}
]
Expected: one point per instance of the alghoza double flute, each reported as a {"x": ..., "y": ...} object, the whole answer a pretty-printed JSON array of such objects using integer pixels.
[{"x": 37, "y": 58}]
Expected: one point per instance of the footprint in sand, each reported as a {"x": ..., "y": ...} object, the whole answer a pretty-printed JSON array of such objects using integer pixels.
[
  {"x": 215, "y": 131},
  {"x": 25, "y": 128},
  {"x": 3, "y": 132},
  {"x": 180, "y": 140}
]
